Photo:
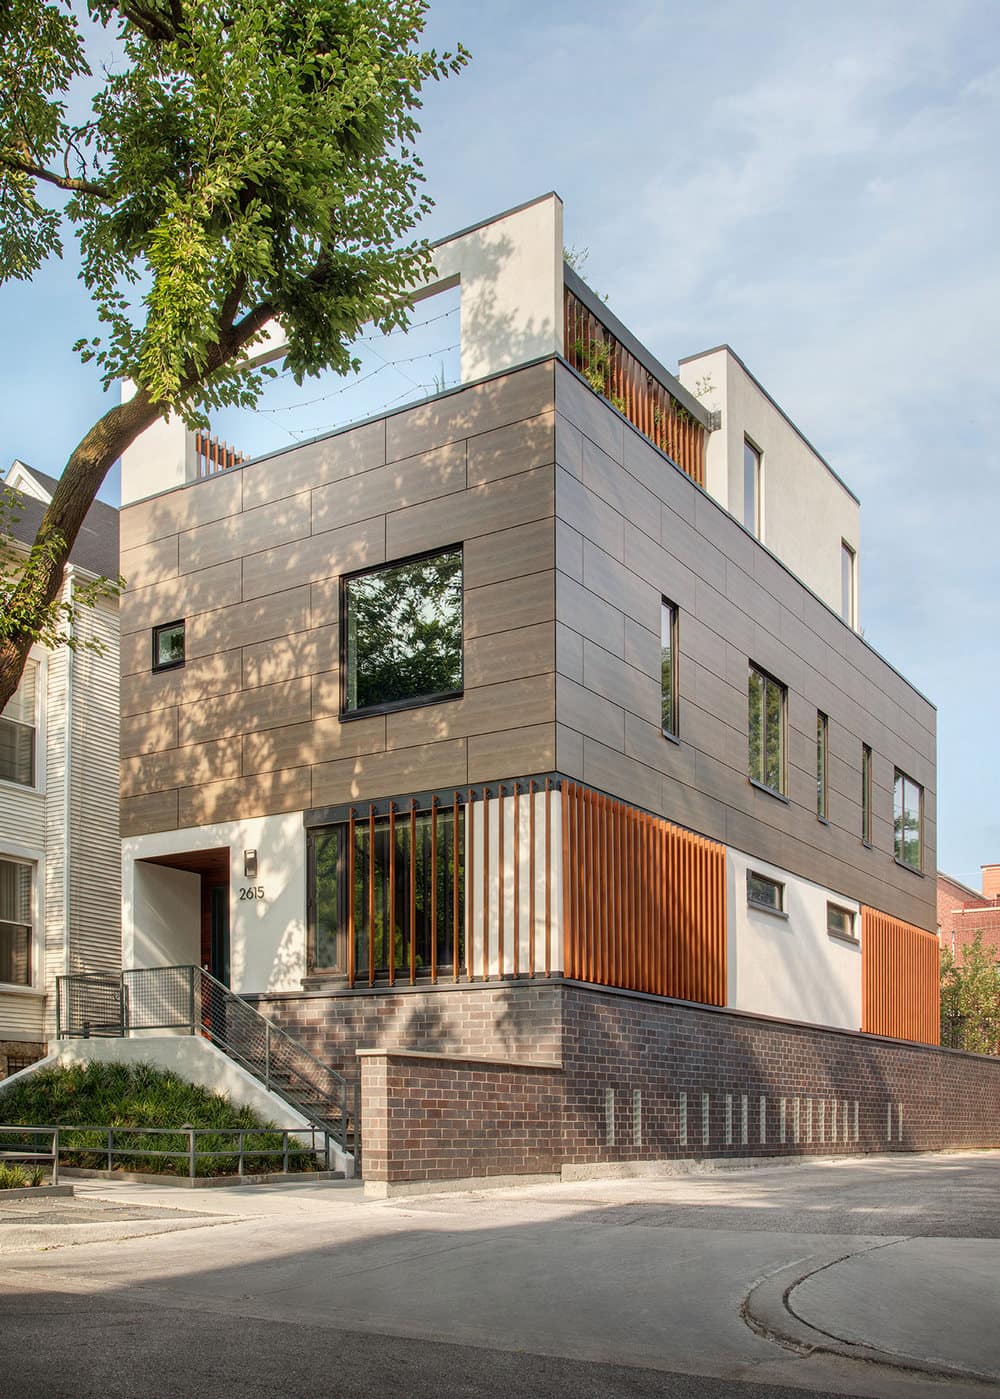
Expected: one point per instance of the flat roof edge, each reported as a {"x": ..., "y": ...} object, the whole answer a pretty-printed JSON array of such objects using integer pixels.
[
  {"x": 495, "y": 218},
  {"x": 715, "y": 349}
]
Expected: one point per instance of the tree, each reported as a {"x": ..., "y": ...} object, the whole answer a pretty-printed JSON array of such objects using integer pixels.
[
  {"x": 970, "y": 999},
  {"x": 238, "y": 163}
]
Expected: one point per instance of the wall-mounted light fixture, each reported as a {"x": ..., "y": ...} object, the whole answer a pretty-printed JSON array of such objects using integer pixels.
[{"x": 249, "y": 864}]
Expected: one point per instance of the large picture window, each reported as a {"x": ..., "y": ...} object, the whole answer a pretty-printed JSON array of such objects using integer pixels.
[
  {"x": 907, "y": 820},
  {"x": 408, "y": 894},
  {"x": 767, "y": 730},
  {"x": 17, "y": 731},
  {"x": 402, "y": 637},
  {"x": 15, "y": 922}
]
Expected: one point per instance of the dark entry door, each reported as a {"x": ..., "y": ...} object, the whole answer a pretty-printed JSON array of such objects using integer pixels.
[{"x": 218, "y": 932}]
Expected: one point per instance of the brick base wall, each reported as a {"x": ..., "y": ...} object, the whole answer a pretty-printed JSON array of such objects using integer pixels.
[
  {"x": 445, "y": 1118},
  {"x": 641, "y": 1079}
]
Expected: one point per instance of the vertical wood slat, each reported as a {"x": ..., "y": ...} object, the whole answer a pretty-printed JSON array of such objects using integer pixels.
[
  {"x": 517, "y": 878},
  {"x": 413, "y": 891},
  {"x": 486, "y": 884},
  {"x": 455, "y": 904},
  {"x": 643, "y": 901},
  {"x": 371, "y": 894},
  {"x": 434, "y": 888},
  {"x": 392, "y": 894},
  {"x": 470, "y": 900},
  {"x": 900, "y": 979},
  {"x": 531, "y": 878},
  {"x": 548, "y": 877},
  {"x": 501, "y": 880},
  {"x": 646, "y": 402},
  {"x": 350, "y": 898}
]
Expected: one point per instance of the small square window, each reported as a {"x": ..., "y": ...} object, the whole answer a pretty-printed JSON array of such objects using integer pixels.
[
  {"x": 840, "y": 922},
  {"x": 168, "y": 646},
  {"x": 764, "y": 892}
]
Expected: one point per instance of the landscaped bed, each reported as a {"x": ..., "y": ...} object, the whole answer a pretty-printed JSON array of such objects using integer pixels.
[{"x": 121, "y": 1097}]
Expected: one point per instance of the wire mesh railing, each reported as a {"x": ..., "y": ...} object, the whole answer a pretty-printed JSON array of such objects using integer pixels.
[{"x": 189, "y": 1000}]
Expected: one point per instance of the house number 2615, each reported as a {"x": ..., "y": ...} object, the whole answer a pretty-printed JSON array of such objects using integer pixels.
[{"x": 252, "y": 891}]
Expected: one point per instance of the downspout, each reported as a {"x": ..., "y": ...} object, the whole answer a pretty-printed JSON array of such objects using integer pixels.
[{"x": 68, "y": 778}]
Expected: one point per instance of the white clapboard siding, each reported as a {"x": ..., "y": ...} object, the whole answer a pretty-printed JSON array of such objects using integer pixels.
[{"x": 95, "y": 852}]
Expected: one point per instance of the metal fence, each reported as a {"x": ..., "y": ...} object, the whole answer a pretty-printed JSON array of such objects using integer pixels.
[
  {"x": 191, "y": 1001},
  {"x": 276, "y": 1148}
]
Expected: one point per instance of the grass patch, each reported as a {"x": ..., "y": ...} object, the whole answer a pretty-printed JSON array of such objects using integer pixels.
[{"x": 138, "y": 1095}]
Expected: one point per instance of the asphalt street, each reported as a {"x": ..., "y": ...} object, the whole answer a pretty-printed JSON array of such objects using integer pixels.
[{"x": 877, "y": 1277}]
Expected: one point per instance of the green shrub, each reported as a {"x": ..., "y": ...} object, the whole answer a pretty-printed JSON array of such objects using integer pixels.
[
  {"x": 13, "y": 1177},
  {"x": 139, "y": 1095}
]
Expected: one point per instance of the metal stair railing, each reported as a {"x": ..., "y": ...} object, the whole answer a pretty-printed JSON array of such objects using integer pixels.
[{"x": 190, "y": 999}]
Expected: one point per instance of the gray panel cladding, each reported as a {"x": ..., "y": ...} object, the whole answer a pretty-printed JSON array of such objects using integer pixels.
[{"x": 632, "y": 528}]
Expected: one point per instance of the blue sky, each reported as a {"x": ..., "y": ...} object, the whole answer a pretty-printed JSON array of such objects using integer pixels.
[{"x": 816, "y": 185}]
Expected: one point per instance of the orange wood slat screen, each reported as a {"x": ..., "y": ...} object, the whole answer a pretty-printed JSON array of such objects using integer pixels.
[
  {"x": 900, "y": 979},
  {"x": 595, "y": 353},
  {"x": 644, "y": 901}
]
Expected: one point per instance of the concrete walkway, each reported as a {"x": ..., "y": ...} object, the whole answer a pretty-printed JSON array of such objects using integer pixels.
[{"x": 876, "y": 1277}]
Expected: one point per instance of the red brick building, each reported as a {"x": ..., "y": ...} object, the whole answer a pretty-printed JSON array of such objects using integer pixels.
[{"x": 962, "y": 912}]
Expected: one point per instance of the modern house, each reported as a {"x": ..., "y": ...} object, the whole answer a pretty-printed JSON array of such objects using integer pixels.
[
  {"x": 60, "y": 881},
  {"x": 522, "y": 743}
]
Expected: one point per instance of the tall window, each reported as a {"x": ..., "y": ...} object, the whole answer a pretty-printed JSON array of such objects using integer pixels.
[
  {"x": 751, "y": 487},
  {"x": 848, "y": 564},
  {"x": 668, "y": 668},
  {"x": 17, "y": 731},
  {"x": 822, "y": 762},
  {"x": 15, "y": 922},
  {"x": 866, "y": 794},
  {"x": 426, "y": 863},
  {"x": 907, "y": 820},
  {"x": 767, "y": 730},
  {"x": 402, "y": 637}
]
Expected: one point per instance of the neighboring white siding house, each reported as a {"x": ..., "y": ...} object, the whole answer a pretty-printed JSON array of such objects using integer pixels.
[{"x": 60, "y": 883}]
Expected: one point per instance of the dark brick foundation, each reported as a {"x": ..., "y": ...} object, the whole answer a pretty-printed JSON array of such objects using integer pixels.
[
  {"x": 17, "y": 1054},
  {"x": 642, "y": 1079}
]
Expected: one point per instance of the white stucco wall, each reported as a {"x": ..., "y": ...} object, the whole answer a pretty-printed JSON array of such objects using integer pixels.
[
  {"x": 791, "y": 967},
  {"x": 485, "y": 942},
  {"x": 267, "y": 936},
  {"x": 166, "y": 917},
  {"x": 805, "y": 511},
  {"x": 510, "y": 271}
]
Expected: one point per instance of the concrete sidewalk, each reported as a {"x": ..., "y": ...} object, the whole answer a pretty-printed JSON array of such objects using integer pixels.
[{"x": 879, "y": 1264}]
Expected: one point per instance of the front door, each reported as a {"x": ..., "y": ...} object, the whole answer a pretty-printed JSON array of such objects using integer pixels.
[{"x": 215, "y": 931}]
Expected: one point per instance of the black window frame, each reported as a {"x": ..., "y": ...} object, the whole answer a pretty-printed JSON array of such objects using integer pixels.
[
  {"x": 158, "y": 665},
  {"x": 392, "y": 706},
  {"x": 759, "y": 782},
  {"x": 668, "y": 608},
  {"x": 899, "y": 845},
  {"x": 340, "y": 829},
  {"x": 822, "y": 766},
  {"x": 778, "y": 909},
  {"x": 866, "y": 793}
]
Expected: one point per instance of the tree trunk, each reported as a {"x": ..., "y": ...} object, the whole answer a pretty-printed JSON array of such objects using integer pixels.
[{"x": 77, "y": 489}]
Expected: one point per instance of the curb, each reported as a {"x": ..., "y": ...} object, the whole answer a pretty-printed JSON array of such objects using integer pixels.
[
  {"x": 768, "y": 1311},
  {"x": 36, "y": 1192}
]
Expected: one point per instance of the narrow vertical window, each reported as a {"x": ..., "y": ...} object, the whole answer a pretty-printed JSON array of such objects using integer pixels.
[
  {"x": 15, "y": 922},
  {"x": 668, "y": 668},
  {"x": 766, "y": 697},
  {"x": 751, "y": 488},
  {"x": 866, "y": 794},
  {"x": 17, "y": 731},
  {"x": 907, "y": 820},
  {"x": 848, "y": 570},
  {"x": 822, "y": 763}
]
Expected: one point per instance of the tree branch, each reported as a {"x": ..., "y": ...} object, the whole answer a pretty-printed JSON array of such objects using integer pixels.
[{"x": 67, "y": 182}]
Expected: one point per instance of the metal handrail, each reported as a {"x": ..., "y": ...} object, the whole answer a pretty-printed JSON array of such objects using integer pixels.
[
  {"x": 51, "y": 1155},
  {"x": 189, "y": 1152},
  {"x": 197, "y": 989}
]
